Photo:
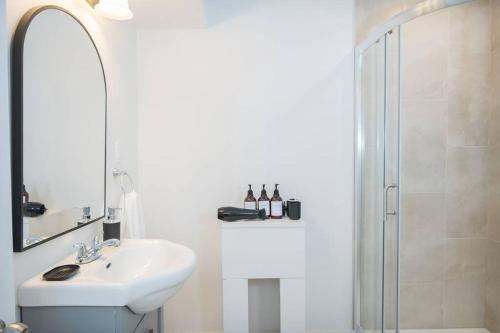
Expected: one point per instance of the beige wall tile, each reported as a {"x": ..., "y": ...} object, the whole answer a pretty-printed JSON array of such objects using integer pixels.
[
  {"x": 491, "y": 317},
  {"x": 492, "y": 301},
  {"x": 466, "y": 192},
  {"x": 421, "y": 305},
  {"x": 469, "y": 105},
  {"x": 466, "y": 214},
  {"x": 495, "y": 76},
  {"x": 494, "y": 171},
  {"x": 422, "y": 237},
  {"x": 493, "y": 229},
  {"x": 494, "y": 119},
  {"x": 466, "y": 22},
  {"x": 468, "y": 115},
  {"x": 423, "y": 157},
  {"x": 464, "y": 303},
  {"x": 424, "y": 57},
  {"x": 468, "y": 74},
  {"x": 465, "y": 258},
  {"x": 495, "y": 16}
]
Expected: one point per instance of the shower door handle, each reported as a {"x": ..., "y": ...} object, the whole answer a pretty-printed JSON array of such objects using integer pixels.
[{"x": 388, "y": 211}]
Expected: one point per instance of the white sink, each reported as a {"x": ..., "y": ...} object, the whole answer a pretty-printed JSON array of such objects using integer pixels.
[{"x": 141, "y": 274}]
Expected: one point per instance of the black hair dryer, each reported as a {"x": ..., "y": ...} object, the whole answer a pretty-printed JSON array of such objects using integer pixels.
[
  {"x": 231, "y": 214},
  {"x": 33, "y": 209}
]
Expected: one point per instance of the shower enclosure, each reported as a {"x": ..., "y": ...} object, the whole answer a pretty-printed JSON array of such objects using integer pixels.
[{"x": 428, "y": 171}]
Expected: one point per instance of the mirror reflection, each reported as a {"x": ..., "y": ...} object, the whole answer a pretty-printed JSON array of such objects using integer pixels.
[{"x": 64, "y": 127}]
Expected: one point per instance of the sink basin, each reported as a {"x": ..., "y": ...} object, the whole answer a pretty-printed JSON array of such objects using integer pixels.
[{"x": 141, "y": 274}]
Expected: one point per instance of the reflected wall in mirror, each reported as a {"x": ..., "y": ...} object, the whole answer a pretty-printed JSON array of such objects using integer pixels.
[{"x": 58, "y": 127}]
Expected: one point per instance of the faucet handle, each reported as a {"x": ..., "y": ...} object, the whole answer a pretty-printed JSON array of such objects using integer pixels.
[
  {"x": 81, "y": 250},
  {"x": 95, "y": 242},
  {"x": 16, "y": 328},
  {"x": 86, "y": 211}
]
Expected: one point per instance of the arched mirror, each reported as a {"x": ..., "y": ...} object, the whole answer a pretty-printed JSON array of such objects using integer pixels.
[{"x": 58, "y": 127}]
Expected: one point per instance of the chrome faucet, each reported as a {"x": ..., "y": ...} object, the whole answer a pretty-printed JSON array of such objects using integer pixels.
[
  {"x": 13, "y": 328},
  {"x": 86, "y": 216},
  {"x": 84, "y": 255}
]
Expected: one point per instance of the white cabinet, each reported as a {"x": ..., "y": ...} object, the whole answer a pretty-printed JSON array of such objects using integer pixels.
[{"x": 271, "y": 249}]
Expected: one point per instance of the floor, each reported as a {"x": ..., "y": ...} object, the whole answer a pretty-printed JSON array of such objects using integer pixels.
[
  {"x": 446, "y": 330},
  {"x": 442, "y": 330}
]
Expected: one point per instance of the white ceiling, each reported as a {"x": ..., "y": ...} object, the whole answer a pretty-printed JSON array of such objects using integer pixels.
[{"x": 181, "y": 14}]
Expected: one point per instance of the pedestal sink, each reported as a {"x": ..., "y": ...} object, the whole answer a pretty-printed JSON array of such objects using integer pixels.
[{"x": 141, "y": 274}]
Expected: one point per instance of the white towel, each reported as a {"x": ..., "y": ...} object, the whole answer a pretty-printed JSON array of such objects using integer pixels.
[{"x": 132, "y": 224}]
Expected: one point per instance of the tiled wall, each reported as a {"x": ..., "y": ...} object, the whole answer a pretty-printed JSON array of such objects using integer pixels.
[
  {"x": 424, "y": 70},
  {"x": 446, "y": 152},
  {"x": 492, "y": 311}
]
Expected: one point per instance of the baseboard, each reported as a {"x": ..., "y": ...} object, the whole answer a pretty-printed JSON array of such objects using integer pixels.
[
  {"x": 275, "y": 332},
  {"x": 330, "y": 331}
]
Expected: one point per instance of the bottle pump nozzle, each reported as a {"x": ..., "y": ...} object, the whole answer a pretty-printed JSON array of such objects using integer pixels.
[
  {"x": 276, "y": 191},
  {"x": 250, "y": 192},
  {"x": 112, "y": 212}
]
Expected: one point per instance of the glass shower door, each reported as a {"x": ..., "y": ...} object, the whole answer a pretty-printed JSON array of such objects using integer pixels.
[
  {"x": 370, "y": 176},
  {"x": 391, "y": 184},
  {"x": 377, "y": 189}
]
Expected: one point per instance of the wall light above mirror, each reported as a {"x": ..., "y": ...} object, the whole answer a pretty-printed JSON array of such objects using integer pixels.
[{"x": 112, "y": 9}]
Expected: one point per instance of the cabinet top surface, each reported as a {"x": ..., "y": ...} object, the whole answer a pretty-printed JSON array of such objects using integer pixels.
[{"x": 269, "y": 223}]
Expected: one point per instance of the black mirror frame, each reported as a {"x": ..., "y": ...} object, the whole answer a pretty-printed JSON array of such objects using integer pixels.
[{"x": 17, "y": 54}]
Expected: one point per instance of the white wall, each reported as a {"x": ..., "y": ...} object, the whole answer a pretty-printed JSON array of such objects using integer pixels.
[
  {"x": 116, "y": 43},
  {"x": 7, "y": 298},
  {"x": 263, "y": 95}
]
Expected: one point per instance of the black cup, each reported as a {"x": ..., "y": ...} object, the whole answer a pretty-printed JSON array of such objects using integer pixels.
[{"x": 293, "y": 209}]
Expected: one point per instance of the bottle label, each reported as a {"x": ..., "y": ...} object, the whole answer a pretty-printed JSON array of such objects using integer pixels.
[
  {"x": 250, "y": 205},
  {"x": 277, "y": 208},
  {"x": 265, "y": 205}
]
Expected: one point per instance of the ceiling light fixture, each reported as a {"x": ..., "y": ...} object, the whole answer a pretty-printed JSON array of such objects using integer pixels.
[{"x": 112, "y": 9}]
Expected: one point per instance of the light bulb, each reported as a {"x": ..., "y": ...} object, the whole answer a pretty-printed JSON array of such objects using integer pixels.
[{"x": 114, "y": 9}]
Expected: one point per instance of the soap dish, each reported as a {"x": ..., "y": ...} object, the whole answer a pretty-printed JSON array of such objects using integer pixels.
[{"x": 61, "y": 273}]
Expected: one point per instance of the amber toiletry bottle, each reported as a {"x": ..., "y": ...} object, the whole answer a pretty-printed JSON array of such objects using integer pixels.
[
  {"x": 250, "y": 201},
  {"x": 264, "y": 201},
  {"x": 276, "y": 204}
]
